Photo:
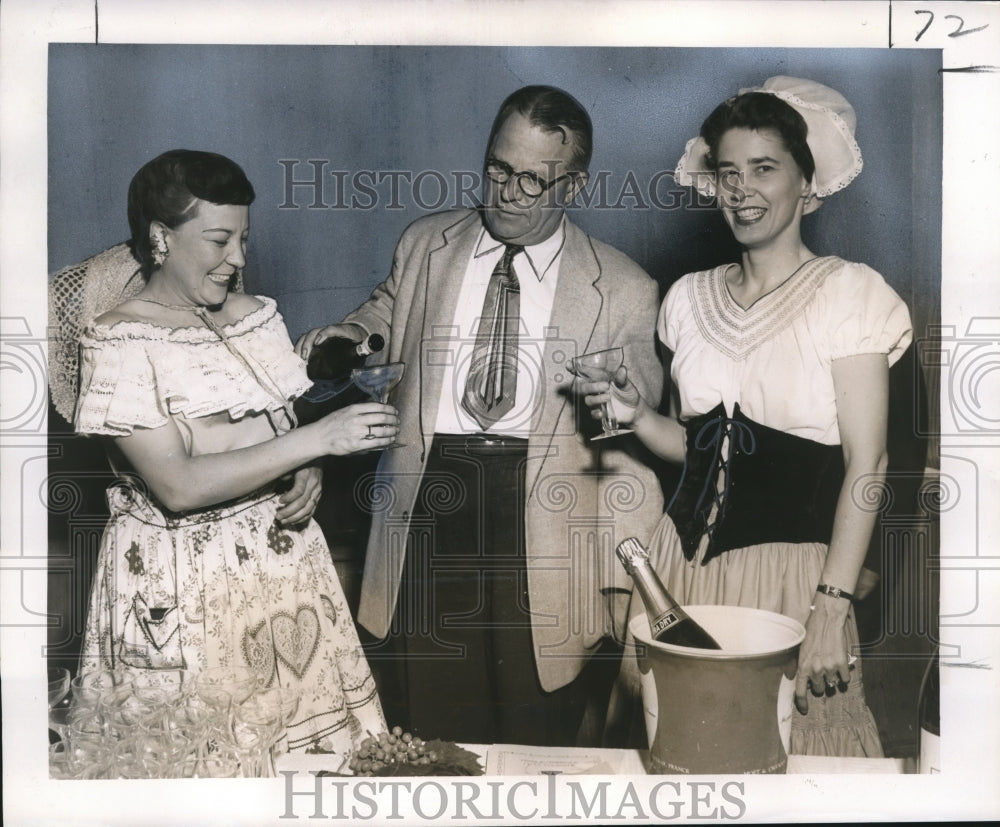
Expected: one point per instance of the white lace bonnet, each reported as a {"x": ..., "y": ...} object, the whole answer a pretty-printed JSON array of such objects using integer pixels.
[{"x": 830, "y": 120}]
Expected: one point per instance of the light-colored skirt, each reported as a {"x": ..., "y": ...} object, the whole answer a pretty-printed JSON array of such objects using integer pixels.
[
  {"x": 229, "y": 586},
  {"x": 778, "y": 577}
]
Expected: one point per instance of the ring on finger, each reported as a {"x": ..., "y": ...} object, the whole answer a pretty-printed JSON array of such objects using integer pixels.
[{"x": 370, "y": 434}]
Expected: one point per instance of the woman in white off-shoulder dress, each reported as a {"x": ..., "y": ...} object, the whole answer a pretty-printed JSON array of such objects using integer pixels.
[{"x": 211, "y": 556}]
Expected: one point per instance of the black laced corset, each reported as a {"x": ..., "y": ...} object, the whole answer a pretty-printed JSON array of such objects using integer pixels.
[{"x": 758, "y": 486}]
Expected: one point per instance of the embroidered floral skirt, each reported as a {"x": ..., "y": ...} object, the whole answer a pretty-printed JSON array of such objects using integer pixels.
[
  {"x": 229, "y": 586},
  {"x": 778, "y": 577}
]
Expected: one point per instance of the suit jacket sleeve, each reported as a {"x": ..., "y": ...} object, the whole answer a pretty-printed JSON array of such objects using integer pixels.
[{"x": 376, "y": 314}]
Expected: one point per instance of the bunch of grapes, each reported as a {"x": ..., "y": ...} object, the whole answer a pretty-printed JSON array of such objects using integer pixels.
[{"x": 377, "y": 752}]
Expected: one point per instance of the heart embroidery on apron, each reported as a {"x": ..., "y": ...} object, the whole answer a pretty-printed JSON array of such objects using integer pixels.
[{"x": 296, "y": 639}]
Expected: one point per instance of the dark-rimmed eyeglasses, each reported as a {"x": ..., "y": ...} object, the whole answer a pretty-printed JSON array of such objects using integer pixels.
[{"x": 528, "y": 183}]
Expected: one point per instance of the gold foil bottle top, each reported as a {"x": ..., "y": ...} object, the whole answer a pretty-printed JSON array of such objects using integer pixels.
[{"x": 631, "y": 552}]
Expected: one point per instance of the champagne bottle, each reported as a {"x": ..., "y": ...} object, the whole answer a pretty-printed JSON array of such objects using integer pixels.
[
  {"x": 335, "y": 357},
  {"x": 329, "y": 366},
  {"x": 929, "y": 712},
  {"x": 668, "y": 622}
]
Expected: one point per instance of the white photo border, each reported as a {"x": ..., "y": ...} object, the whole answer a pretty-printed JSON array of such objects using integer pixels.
[{"x": 969, "y": 308}]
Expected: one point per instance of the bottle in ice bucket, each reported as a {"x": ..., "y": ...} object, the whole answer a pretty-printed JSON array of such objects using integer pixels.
[
  {"x": 335, "y": 357},
  {"x": 929, "y": 709},
  {"x": 668, "y": 622}
]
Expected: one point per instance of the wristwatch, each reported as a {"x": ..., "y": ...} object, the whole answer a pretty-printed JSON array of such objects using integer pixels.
[{"x": 833, "y": 591}]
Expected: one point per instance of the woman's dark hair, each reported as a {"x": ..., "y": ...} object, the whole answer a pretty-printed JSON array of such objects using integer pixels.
[
  {"x": 759, "y": 110},
  {"x": 166, "y": 189},
  {"x": 552, "y": 110}
]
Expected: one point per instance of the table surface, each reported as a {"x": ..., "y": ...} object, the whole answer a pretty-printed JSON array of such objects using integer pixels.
[{"x": 515, "y": 760}]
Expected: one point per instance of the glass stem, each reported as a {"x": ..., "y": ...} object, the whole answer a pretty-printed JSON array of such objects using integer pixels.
[{"x": 608, "y": 420}]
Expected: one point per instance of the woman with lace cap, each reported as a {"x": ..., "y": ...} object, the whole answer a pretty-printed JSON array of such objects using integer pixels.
[
  {"x": 780, "y": 365},
  {"x": 205, "y": 562}
]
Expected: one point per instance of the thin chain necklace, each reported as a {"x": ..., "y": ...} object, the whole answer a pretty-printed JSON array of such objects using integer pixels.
[
  {"x": 199, "y": 310},
  {"x": 164, "y": 304}
]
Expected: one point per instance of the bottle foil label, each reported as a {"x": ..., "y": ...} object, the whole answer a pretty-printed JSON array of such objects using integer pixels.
[{"x": 665, "y": 621}]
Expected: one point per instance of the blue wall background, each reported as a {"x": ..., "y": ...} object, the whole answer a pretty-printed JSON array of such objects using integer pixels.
[{"x": 428, "y": 110}]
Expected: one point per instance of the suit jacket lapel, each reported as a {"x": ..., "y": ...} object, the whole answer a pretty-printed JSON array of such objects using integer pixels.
[
  {"x": 446, "y": 268},
  {"x": 575, "y": 313}
]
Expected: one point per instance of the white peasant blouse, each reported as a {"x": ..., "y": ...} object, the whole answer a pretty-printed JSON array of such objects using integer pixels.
[
  {"x": 139, "y": 375},
  {"x": 774, "y": 358}
]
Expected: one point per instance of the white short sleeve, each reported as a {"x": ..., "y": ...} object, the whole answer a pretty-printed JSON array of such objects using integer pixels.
[
  {"x": 674, "y": 310},
  {"x": 864, "y": 314},
  {"x": 117, "y": 388}
]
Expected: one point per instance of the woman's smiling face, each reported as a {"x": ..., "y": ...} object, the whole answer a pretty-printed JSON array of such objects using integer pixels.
[
  {"x": 205, "y": 253},
  {"x": 761, "y": 189}
]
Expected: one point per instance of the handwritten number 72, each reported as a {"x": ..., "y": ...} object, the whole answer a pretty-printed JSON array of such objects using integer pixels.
[{"x": 959, "y": 29}]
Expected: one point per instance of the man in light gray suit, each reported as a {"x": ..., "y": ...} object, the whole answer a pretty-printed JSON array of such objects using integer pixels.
[{"x": 490, "y": 578}]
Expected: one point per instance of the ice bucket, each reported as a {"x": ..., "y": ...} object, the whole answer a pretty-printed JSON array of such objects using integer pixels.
[{"x": 725, "y": 711}]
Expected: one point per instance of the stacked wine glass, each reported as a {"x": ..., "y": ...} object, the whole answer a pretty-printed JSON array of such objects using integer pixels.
[{"x": 218, "y": 723}]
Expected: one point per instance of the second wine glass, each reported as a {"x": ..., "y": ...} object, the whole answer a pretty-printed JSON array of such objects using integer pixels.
[{"x": 601, "y": 366}]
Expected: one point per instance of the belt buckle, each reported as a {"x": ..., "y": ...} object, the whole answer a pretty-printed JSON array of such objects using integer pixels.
[{"x": 485, "y": 444}]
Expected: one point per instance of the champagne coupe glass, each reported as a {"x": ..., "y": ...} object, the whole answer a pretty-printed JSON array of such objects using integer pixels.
[
  {"x": 248, "y": 743},
  {"x": 236, "y": 684},
  {"x": 258, "y": 721},
  {"x": 219, "y": 705},
  {"x": 59, "y": 678},
  {"x": 87, "y": 725},
  {"x": 166, "y": 753},
  {"x": 59, "y": 766},
  {"x": 288, "y": 698},
  {"x": 89, "y": 687},
  {"x": 60, "y": 720},
  {"x": 124, "y": 712},
  {"x": 129, "y": 760},
  {"x": 219, "y": 730},
  {"x": 238, "y": 681},
  {"x": 163, "y": 690},
  {"x": 86, "y": 760},
  {"x": 192, "y": 718},
  {"x": 94, "y": 761},
  {"x": 378, "y": 381},
  {"x": 88, "y": 745},
  {"x": 601, "y": 365}
]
